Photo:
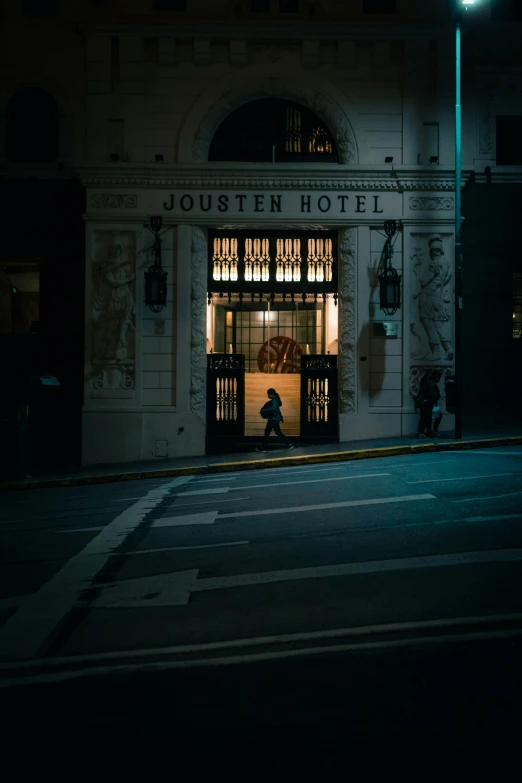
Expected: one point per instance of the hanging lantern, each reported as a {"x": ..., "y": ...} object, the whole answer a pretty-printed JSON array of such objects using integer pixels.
[
  {"x": 390, "y": 280},
  {"x": 156, "y": 276}
]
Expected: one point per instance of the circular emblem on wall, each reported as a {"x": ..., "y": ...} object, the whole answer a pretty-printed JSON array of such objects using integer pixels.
[{"x": 280, "y": 355}]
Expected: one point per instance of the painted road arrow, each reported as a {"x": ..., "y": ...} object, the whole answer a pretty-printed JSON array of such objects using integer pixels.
[{"x": 175, "y": 589}]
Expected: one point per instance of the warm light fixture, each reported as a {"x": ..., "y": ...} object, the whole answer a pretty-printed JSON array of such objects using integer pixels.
[{"x": 389, "y": 280}]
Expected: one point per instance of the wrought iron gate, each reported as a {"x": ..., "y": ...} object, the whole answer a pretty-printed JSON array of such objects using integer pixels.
[
  {"x": 225, "y": 399},
  {"x": 319, "y": 397}
]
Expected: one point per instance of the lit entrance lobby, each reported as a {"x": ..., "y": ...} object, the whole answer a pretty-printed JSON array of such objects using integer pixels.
[{"x": 272, "y": 318}]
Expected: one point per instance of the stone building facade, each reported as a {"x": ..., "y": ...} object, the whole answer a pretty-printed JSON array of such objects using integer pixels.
[{"x": 142, "y": 89}]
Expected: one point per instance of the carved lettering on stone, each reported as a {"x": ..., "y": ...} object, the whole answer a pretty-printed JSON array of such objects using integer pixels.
[
  {"x": 347, "y": 319},
  {"x": 114, "y": 201},
  {"x": 432, "y": 203},
  {"x": 273, "y": 87},
  {"x": 433, "y": 297},
  {"x": 113, "y": 312},
  {"x": 198, "y": 344}
]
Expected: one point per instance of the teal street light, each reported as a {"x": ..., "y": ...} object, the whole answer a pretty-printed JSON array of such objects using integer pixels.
[{"x": 462, "y": 5}]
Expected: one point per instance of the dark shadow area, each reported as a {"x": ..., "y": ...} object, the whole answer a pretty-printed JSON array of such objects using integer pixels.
[
  {"x": 492, "y": 358},
  {"x": 46, "y": 230}
]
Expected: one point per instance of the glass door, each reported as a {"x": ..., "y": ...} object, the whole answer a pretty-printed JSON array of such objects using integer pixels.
[{"x": 274, "y": 338}]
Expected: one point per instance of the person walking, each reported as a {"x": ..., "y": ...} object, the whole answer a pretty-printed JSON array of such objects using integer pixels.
[
  {"x": 424, "y": 401},
  {"x": 271, "y": 411}
]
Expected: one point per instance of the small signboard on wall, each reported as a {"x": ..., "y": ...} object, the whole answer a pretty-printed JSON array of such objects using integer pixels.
[{"x": 386, "y": 329}]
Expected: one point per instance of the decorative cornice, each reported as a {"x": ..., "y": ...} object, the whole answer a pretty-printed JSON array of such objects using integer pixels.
[
  {"x": 500, "y": 175},
  {"x": 341, "y": 178},
  {"x": 273, "y": 30}
]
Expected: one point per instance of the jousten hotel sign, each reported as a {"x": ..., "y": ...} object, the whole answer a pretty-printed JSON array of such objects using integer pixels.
[{"x": 289, "y": 204}]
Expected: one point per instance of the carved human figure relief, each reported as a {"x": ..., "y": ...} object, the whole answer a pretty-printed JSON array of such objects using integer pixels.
[
  {"x": 432, "y": 312},
  {"x": 113, "y": 310}
]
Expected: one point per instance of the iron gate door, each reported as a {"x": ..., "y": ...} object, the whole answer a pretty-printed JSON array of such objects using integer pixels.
[
  {"x": 319, "y": 397},
  {"x": 225, "y": 399}
]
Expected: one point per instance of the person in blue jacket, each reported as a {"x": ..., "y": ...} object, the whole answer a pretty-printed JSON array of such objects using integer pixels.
[{"x": 271, "y": 411}]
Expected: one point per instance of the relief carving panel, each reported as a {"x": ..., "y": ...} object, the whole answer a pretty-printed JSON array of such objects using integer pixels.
[
  {"x": 432, "y": 307},
  {"x": 113, "y": 315},
  {"x": 432, "y": 203},
  {"x": 114, "y": 201}
]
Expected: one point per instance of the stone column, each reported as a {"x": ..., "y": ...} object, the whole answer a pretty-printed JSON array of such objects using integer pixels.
[
  {"x": 347, "y": 319},
  {"x": 198, "y": 339}
]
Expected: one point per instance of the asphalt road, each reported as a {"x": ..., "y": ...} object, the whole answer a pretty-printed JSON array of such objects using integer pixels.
[{"x": 331, "y": 598}]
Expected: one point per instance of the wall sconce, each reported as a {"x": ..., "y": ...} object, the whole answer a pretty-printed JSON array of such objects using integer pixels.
[
  {"x": 156, "y": 276},
  {"x": 390, "y": 280}
]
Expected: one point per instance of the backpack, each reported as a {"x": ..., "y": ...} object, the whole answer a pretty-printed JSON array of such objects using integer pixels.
[{"x": 265, "y": 411}]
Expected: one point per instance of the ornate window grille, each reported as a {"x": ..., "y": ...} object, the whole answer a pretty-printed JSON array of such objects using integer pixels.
[{"x": 303, "y": 264}]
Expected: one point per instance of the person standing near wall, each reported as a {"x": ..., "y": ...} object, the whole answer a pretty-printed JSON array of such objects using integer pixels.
[
  {"x": 424, "y": 401},
  {"x": 436, "y": 413}
]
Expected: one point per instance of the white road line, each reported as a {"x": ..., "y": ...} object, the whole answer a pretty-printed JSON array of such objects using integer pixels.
[
  {"x": 488, "y": 497},
  {"x": 235, "y": 660},
  {"x": 247, "y": 643},
  {"x": 211, "y": 491},
  {"x": 203, "y": 518},
  {"x": 352, "y": 569},
  {"x": 174, "y": 589},
  {"x": 463, "y": 478},
  {"x": 26, "y": 630},
  {"x": 207, "y": 502},
  {"x": 184, "y": 548},
  {"x": 81, "y": 530},
  {"x": 491, "y": 453},
  {"x": 498, "y": 516},
  {"x": 275, "y": 484},
  {"x": 225, "y": 477},
  {"x": 324, "y": 506}
]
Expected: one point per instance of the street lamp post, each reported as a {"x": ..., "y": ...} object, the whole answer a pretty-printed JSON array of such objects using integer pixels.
[
  {"x": 458, "y": 246},
  {"x": 462, "y": 5}
]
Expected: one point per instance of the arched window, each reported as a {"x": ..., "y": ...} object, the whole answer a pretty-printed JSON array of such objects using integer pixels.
[
  {"x": 273, "y": 130},
  {"x": 32, "y": 127}
]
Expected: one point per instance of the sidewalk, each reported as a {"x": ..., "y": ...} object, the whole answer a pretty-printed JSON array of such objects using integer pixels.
[{"x": 301, "y": 455}]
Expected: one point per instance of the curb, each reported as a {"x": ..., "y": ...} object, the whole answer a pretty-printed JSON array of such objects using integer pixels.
[{"x": 264, "y": 464}]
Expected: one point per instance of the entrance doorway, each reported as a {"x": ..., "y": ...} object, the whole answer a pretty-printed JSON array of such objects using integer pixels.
[
  {"x": 272, "y": 336},
  {"x": 276, "y": 313}
]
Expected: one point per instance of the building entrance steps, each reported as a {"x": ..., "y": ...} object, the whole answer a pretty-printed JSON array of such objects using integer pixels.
[{"x": 288, "y": 387}]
